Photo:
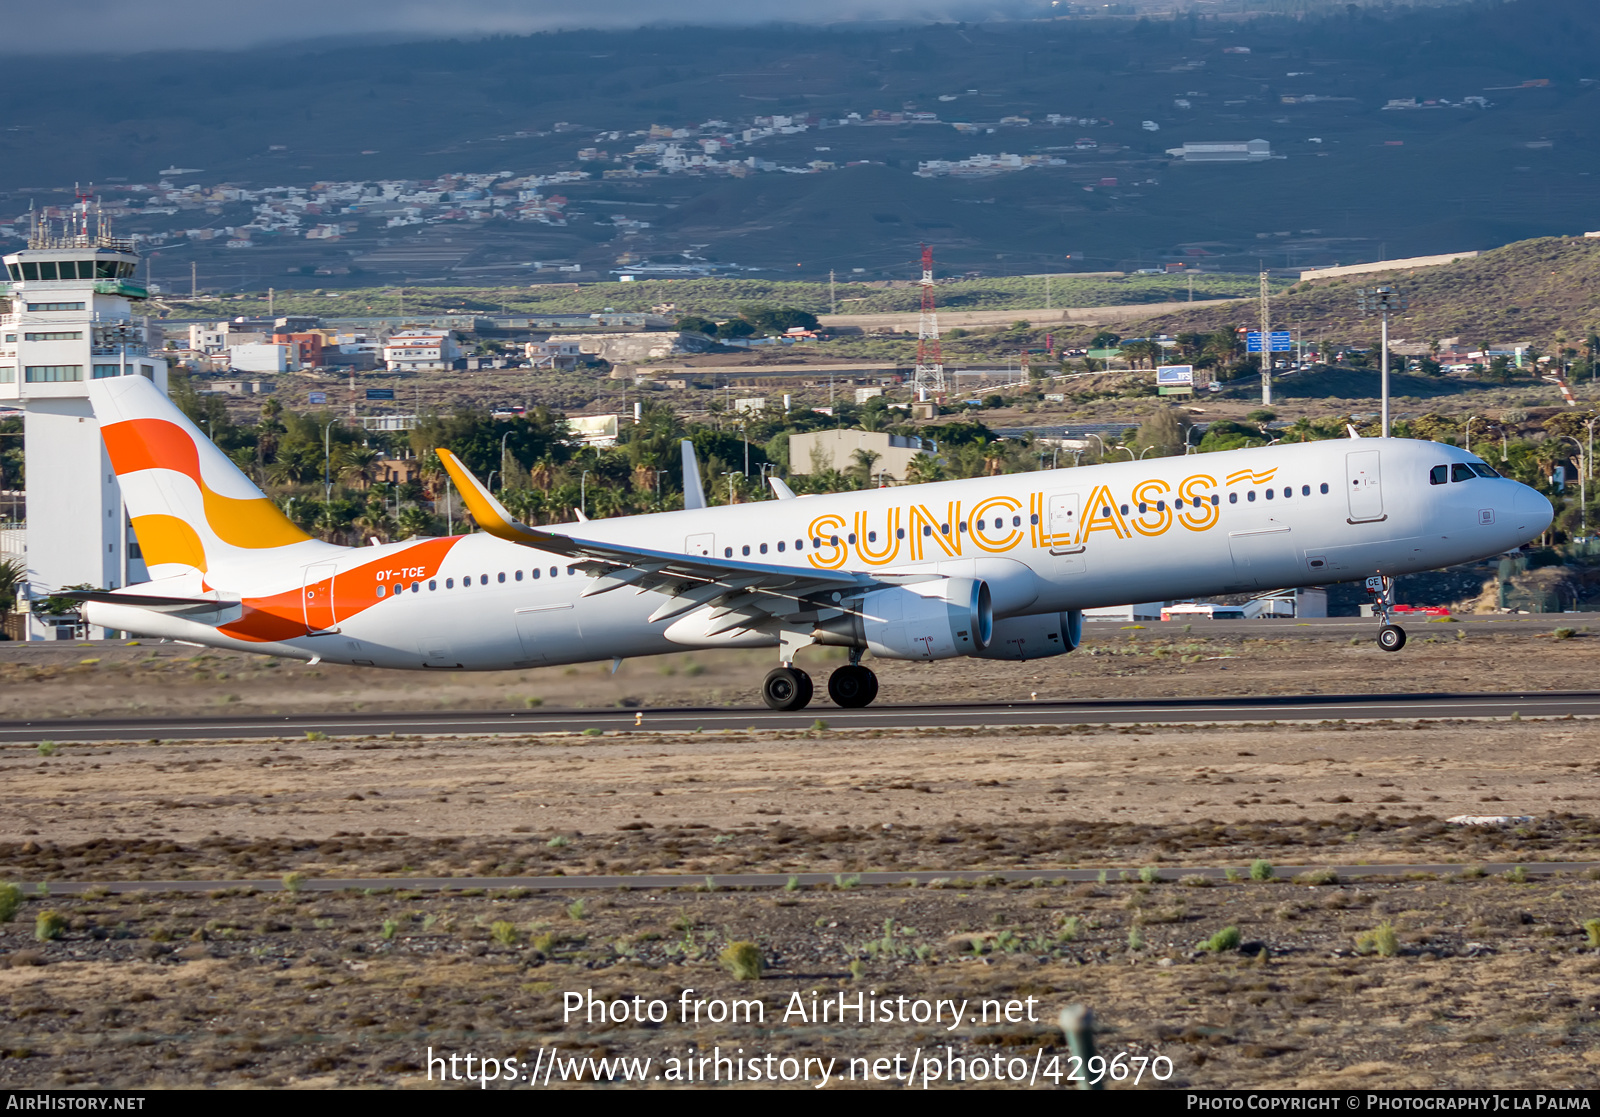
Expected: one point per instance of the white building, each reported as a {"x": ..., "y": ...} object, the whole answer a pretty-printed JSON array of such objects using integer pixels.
[
  {"x": 72, "y": 320},
  {"x": 262, "y": 357},
  {"x": 420, "y": 350},
  {"x": 1240, "y": 151}
]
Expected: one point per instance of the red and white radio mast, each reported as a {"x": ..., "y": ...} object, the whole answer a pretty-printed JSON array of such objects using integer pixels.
[{"x": 929, "y": 376}]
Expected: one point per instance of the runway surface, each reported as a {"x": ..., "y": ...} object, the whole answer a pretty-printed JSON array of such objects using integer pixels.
[
  {"x": 1158, "y": 711},
  {"x": 972, "y": 878}
]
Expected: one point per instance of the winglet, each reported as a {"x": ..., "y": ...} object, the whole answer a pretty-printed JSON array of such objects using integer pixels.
[
  {"x": 694, "y": 494},
  {"x": 1353, "y": 432},
  {"x": 491, "y": 515},
  {"x": 779, "y": 489}
]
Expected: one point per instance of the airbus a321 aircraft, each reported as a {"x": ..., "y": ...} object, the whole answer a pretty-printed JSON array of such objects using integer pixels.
[{"x": 994, "y": 567}]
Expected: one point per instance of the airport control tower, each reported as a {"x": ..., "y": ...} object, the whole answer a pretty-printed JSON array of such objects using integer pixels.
[{"x": 72, "y": 318}]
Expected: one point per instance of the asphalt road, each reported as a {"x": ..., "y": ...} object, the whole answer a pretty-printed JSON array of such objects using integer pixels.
[
  {"x": 1157, "y": 711},
  {"x": 969, "y": 879}
]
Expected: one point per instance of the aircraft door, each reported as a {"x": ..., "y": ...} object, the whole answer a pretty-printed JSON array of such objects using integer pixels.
[
  {"x": 1364, "y": 486},
  {"x": 316, "y": 597},
  {"x": 1064, "y": 511},
  {"x": 701, "y": 546}
]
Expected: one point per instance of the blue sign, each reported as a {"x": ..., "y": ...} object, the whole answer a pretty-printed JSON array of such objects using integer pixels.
[
  {"x": 380, "y": 393},
  {"x": 317, "y": 397},
  {"x": 1281, "y": 341}
]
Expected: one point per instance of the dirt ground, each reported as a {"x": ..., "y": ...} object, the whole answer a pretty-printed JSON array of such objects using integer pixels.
[{"x": 1448, "y": 978}]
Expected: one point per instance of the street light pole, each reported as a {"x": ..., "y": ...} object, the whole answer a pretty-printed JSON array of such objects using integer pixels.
[
  {"x": 1384, "y": 300},
  {"x": 327, "y": 473},
  {"x": 1468, "y": 429},
  {"x": 583, "y": 493},
  {"x": 503, "y": 460}
]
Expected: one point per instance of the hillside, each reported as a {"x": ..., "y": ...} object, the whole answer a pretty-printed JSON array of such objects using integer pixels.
[{"x": 1533, "y": 291}]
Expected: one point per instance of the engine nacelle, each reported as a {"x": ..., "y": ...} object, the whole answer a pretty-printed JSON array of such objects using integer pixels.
[
  {"x": 929, "y": 620},
  {"x": 1036, "y": 637}
]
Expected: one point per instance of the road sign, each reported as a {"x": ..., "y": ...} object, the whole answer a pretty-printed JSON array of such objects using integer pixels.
[
  {"x": 380, "y": 393},
  {"x": 1281, "y": 341},
  {"x": 1175, "y": 380},
  {"x": 317, "y": 397}
]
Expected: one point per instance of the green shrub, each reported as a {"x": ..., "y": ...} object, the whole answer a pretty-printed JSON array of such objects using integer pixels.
[
  {"x": 293, "y": 882},
  {"x": 560, "y": 841},
  {"x": 1316, "y": 877},
  {"x": 1591, "y": 927},
  {"x": 533, "y": 703},
  {"x": 1135, "y": 939},
  {"x": 49, "y": 925},
  {"x": 10, "y": 902},
  {"x": 504, "y": 932},
  {"x": 1517, "y": 875},
  {"x": 47, "y": 748},
  {"x": 390, "y": 928},
  {"x": 742, "y": 960},
  {"x": 1150, "y": 874},
  {"x": 1564, "y": 633},
  {"x": 1381, "y": 940},
  {"x": 1261, "y": 869},
  {"x": 577, "y": 910},
  {"x": 1226, "y": 939}
]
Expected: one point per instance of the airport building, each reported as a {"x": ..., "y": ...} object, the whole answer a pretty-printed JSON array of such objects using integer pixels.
[{"x": 72, "y": 318}]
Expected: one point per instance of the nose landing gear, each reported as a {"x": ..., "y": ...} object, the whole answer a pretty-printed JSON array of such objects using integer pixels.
[{"x": 1391, "y": 637}]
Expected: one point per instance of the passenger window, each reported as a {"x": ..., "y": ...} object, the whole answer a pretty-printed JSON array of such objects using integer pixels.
[
  {"x": 1143, "y": 508},
  {"x": 1016, "y": 521},
  {"x": 1233, "y": 498},
  {"x": 483, "y": 579},
  {"x": 745, "y": 549},
  {"x": 980, "y": 525},
  {"x": 1305, "y": 490},
  {"x": 1215, "y": 500},
  {"x": 872, "y": 537},
  {"x": 1288, "y": 492},
  {"x": 382, "y": 591},
  {"x": 1033, "y": 519},
  {"x": 416, "y": 587},
  {"x": 833, "y": 541},
  {"x": 554, "y": 570},
  {"x": 1121, "y": 508},
  {"x": 817, "y": 542},
  {"x": 571, "y": 570},
  {"x": 944, "y": 529},
  {"x": 850, "y": 539},
  {"x": 1461, "y": 472},
  {"x": 501, "y": 576},
  {"x": 518, "y": 575},
  {"x": 780, "y": 546},
  {"x": 449, "y": 583},
  {"x": 763, "y": 548},
  {"x": 899, "y": 533},
  {"x": 1161, "y": 506},
  {"x": 1105, "y": 513},
  {"x": 1251, "y": 495},
  {"x": 1324, "y": 488},
  {"x": 962, "y": 526},
  {"x": 1438, "y": 475},
  {"x": 1270, "y": 494},
  {"x": 926, "y": 530},
  {"x": 432, "y": 584},
  {"x": 1178, "y": 503},
  {"x": 800, "y": 544},
  {"x": 535, "y": 571},
  {"x": 727, "y": 552}
]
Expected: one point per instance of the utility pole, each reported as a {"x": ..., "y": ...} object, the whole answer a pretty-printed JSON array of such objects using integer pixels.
[
  {"x": 1266, "y": 345},
  {"x": 270, "y": 294},
  {"x": 833, "y": 301},
  {"x": 194, "y": 280}
]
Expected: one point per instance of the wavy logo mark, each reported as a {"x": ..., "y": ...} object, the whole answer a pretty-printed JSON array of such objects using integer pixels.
[
  {"x": 1252, "y": 476},
  {"x": 251, "y": 524}
]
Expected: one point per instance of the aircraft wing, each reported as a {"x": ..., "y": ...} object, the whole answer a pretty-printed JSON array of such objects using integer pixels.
[{"x": 741, "y": 594}]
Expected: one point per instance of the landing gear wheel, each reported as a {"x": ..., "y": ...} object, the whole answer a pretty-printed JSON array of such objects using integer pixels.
[
  {"x": 786, "y": 688},
  {"x": 1391, "y": 637},
  {"x": 853, "y": 686}
]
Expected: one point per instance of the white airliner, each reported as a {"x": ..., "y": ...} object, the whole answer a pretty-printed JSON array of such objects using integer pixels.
[{"x": 995, "y": 567}]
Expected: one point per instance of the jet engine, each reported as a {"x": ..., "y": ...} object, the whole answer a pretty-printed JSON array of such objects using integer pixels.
[
  {"x": 928, "y": 620},
  {"x": 1035, "y": 637}
]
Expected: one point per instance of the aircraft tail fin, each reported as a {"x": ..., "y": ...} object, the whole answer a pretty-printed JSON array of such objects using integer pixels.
[{"x": 193, "y": 511}]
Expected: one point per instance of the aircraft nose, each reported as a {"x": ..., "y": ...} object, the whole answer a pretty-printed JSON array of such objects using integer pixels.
[{"x": 1531, "y": 511}]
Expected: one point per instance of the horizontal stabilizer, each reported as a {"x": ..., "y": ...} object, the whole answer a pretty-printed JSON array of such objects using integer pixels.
[{"x": 144, "y": 601}]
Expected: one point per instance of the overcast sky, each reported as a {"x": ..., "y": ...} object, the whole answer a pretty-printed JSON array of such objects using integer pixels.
[{"x": 92, "y": 26}]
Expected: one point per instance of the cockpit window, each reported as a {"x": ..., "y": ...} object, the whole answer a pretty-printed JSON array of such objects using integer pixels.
[
  {"x": 1439, "y": 475},
  {"x": 1482, "y": 470},
  {"x": 1461, "y": 471}
]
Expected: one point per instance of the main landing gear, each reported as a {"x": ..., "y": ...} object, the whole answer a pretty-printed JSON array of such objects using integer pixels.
[
  {"x": 789, "y": 688},
  {"x": 1391, "y": 637}
]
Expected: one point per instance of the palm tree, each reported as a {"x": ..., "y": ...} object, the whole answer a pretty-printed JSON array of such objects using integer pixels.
[
  {"x": 924, "y": 468},
  {"x": 860, "y": 469},
  {"x": 357, "y": 463}
]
